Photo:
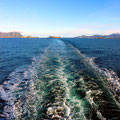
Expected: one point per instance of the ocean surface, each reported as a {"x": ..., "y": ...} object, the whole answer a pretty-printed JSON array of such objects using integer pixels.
[{"x": 59, "y": 79}]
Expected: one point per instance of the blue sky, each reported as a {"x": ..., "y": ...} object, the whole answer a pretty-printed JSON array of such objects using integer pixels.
[{"x": 60, "y": 17}]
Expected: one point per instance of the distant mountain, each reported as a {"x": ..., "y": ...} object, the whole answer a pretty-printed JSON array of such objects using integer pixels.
[
  {"x": 117, "y": 35},
  {"x": 111, "y": 36},
  {"x": 10, "y": 35}
]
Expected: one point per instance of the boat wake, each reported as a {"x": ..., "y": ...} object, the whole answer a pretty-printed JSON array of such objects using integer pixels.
[
  {"x": 61, "y": 84},
  {"x": 111, "y": 78}
]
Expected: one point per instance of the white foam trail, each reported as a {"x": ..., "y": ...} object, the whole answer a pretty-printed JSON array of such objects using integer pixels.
[
  {"x": 112, "y": 79},
  {"x": 64, "y": 77},
  {"x": 9, "y": 89}
]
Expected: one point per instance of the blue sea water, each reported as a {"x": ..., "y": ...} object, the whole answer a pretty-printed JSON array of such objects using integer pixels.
[
  {"x": 106, "y": 52},
  {"x": 64, "y": 79},
  {"x": 19, "y": 52}
]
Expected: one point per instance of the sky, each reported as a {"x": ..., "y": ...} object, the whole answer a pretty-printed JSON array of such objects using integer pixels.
[{"x": 66, "y": 18}]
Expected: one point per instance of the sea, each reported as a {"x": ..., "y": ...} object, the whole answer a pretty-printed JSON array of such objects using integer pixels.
[{"x": 59, "y": 79}]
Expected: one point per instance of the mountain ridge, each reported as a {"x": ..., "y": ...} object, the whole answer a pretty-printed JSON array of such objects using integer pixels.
[
  {"x": 111, "y": 36},
  {"x": 10, "y": 35}
]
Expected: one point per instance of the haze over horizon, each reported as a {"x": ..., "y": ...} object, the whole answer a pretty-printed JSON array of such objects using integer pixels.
[{"x": 60, "y": 17}]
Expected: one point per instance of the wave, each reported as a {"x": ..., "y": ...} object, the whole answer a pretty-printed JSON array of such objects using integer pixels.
[
  {"x": 16, "y": 90},
  {"x": 8, "y": 88},
  {"x": 113, "y": 81}
]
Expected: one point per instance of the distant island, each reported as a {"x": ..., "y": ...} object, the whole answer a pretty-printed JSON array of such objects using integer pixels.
[
  {"x": 111, "y": 36},
  {"x": 14, "y": 35},
  {"x": 54, "y": 37},
  {"x": 10, "y": 35}
]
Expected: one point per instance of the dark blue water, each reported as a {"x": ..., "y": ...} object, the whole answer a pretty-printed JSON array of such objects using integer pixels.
[
  {"x": 53, "y": 79},
  {"x": 15, "y": 53},
  {"x": 106, "y": 52}
]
